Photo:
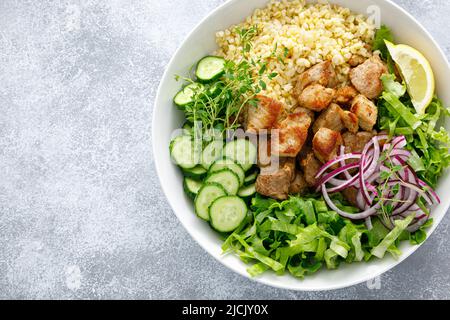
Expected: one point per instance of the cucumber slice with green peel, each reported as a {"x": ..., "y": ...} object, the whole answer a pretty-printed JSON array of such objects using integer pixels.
[
  {"x": 227, "y": 179},
  {"x": 227, "y": 213},
  {"x": 198, "y": 172},
  {"x": 210, "y": 68},
  {"x": 250, "y": 179},
  {"x": 228, "y": 164},
  {"x": 247, "y": 191},
  {"x": 187, "y": 94},
  {"x": 184, "y": 152},
  {"x": 242, "y": 151},
  {"x": 205, "y": 196},
  {"x": 211, "y": 153},
  {"x": 191, "y": 187}
]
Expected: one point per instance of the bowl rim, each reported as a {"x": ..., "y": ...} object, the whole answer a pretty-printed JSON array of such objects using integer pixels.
[{"x": 375, "y": 274}]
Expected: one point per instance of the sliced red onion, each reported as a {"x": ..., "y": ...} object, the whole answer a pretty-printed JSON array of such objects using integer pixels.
[
  {"x": 399, "y": 142},
  {"x": 410, "y": 201},
  {"x": 419, "y": 190},
  {"x": 374, "y": 177},
  {"x": 349, "y": 215},
  {"x": 371, "y": 169},
  {"x": 371, "y": 188},
  {"x": 336, "y": 172},
  {"x": 430, "y": 191},
  {"x": 360, "y": 201},
  {"x": 343, "y": 186},
  {"x": 401, "y": 153},
  {"x": 347, "y": 174},
  {"x": 416, "y": 226},
  {"x": 331, "y": 163},
  {"x": 368, "y": 177}
]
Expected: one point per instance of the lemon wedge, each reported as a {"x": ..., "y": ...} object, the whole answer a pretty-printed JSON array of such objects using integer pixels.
[{"x": 417, "y": 74}]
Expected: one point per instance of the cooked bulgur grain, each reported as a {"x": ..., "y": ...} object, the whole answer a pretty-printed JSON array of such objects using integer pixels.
[{"x": 311, "y": 33}]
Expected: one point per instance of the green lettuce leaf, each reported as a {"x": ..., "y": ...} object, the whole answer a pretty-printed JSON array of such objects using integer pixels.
[
  {"x": 382, "y": 34},
  {"x": 391, "y": 85},
  {"x": 391, "y": 237}
]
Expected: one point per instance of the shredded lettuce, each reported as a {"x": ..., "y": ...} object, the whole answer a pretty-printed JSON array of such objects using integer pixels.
[
  {"x": 427, "y": 140},
  {"x": 420, "y": 235},
  {"x": 391, "y": 85},
  {"x": 351, "y": 234},
  {"x": 398, "y": 109},
  {"x": 388, "y": 241},
  {"x": 382, "y": 34},
  {"x": 301, "y": 235}
]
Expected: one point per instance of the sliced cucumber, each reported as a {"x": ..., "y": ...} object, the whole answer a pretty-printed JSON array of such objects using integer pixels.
[
  {"x": 186, "y": 95},
  {"x": 211, "y": 153},
  {"x": 205, "y": 196},
  {"x": 228, "y": 164},
  {"x": 250, "y": 179},
  {"x": 242, "y": 151},
  {"x": 198, "y": 172},
  {"x": 210, "y": 68},
  {"x": 227, "y": 179},
  {"x": 191, "y": 187},
  {"x": 227, "y": 213},
  {"x": 248, "y": 191},
  {"x": 184, "y": 152}
]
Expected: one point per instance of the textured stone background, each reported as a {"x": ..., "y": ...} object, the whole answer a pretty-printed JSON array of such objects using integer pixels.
[{"x": 81, "y": 211}]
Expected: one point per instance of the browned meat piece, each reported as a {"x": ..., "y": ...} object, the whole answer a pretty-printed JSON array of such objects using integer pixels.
[
  {"x": 366, "y": 77},
  {"x": 305, "y": 150},
  {"x": 275, "y": 183},
  {"x": 288, "y": 165},
  {"x": 307, "y": 111},
  {"x": 310, "y": 166},
  {"x": 299, "y": 185},
  {"x": 322, "y": 73},
  {"x": 350, "y": 195},
  {"x": 356, "y": 60},
  {"x": 326, "y": 144},
  {"x": 316, "y": 97},
  {"x": 264, "y": 115},
  {"x": 345, "y": 95},
  {"x": 350, "y": 121},
  {"x": 291, "y": 134},
  {"x": 356, "y": 142},
  {"x": 366, "y": 111},
  {"x": 329, "y": 118}
]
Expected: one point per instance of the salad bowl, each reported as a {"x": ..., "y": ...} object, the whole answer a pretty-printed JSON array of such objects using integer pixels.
[{"x": 166, "y": 119}]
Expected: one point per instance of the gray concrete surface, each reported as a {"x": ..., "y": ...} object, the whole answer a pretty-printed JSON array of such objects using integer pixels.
[{"x": 81, "y": 211}]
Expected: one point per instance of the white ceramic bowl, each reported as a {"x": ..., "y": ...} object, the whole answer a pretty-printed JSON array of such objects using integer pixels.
[{"x": 166, "y": 118}]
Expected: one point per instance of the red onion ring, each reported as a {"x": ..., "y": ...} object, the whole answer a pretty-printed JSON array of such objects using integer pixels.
[
  {"x": 353, "y": 216},
  {"x": 370, "y": 164}
]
